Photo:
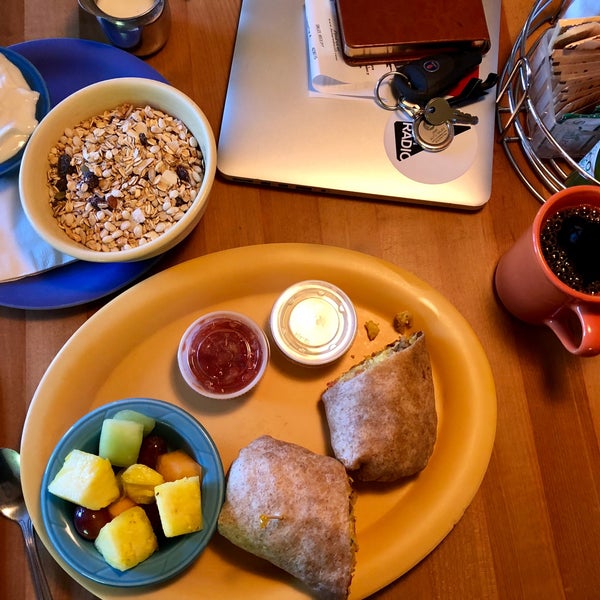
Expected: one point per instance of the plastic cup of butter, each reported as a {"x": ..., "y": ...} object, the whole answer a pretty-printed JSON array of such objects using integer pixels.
[
  {"x": 223, "y": 354},
  {"x": 313, "y": 322}
]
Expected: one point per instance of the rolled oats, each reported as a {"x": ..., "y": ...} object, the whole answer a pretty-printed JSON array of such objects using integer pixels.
[{"x": 120, "y": 179}]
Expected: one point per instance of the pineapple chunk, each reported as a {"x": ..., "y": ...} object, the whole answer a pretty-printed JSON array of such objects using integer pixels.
[
  {"x": 87, "y": 480},
  {"x": 127, "y": 540},
  {"x": 139, "y": 482},
  {"x": 179, "y": 506}
]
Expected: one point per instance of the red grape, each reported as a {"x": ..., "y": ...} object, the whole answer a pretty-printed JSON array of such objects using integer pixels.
[
  {"x": 151, "y": 511},
  {"x": 88, "y": 523},
  {"x": 152, "y": 447}
]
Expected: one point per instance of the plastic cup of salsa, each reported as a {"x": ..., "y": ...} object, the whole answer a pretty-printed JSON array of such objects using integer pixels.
[{"x": 223, "y": 354}]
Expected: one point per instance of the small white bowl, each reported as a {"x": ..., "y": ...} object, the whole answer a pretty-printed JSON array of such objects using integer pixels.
[
  {"x": 223, "y": 354},
  {"x": 94, "y": 100}
]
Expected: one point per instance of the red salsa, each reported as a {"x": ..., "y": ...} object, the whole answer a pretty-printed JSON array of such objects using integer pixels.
[{"x": 224, "y": 355}]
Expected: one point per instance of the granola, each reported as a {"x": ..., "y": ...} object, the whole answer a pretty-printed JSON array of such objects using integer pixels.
[{"x": 120, "y": 179}]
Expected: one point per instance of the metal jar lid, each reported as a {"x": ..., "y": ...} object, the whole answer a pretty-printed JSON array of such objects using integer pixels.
[{"x": 313, "y": 322}]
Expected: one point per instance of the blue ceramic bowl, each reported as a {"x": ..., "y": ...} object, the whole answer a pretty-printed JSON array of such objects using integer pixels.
[
  {"x": 181, "y": 431},
  {"x": 36, "y": 83}
]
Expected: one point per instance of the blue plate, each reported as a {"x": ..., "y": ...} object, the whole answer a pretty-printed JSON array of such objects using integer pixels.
[
  {"x": 36, "y": 82},
  {"x": 67, "y": 65},
  {"x": 181, "y": 431}
]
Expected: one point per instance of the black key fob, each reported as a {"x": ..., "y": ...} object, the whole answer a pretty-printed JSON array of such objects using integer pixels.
[{"x": 432, "y": 76}]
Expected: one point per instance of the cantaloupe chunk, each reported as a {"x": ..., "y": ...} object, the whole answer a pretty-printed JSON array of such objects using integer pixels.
[
  {"x": 120, "y": 505},
  {"x": 177, "y": 465}
]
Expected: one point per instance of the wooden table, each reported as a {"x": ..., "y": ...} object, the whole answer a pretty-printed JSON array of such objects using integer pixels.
[{"x": 533, "y": 529}]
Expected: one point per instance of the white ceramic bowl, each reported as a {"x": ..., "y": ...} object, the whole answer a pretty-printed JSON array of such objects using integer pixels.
[{"x": 93, "y": 100}]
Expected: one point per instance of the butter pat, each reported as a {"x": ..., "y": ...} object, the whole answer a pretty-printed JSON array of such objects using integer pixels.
[
  {"x": 125, "y": 10},
  {"x": 313, "y": 322},
  {"x": 17, "y": 109}
]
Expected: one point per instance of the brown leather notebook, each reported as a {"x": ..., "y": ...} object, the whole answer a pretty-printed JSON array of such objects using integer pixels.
[{"x": 391, "y": 31}]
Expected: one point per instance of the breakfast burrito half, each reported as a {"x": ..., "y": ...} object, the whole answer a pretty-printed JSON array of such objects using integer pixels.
[
  {"x": 381, "y": 412},
  {"x": 293, "y": 508}
]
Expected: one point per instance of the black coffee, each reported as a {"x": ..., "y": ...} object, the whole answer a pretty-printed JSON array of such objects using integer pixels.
[{"x": 570, "y": 243}]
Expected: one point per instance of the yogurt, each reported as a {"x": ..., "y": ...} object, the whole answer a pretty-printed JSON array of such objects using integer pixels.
[{"x": 17, "y": 109}]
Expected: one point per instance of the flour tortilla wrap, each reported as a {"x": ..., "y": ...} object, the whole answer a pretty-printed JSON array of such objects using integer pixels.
[
  {"x": 381, "y": 412},
  {"x": 293, "y": 508}
]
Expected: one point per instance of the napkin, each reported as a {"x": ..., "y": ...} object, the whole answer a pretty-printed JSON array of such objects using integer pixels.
[
  {"x": 329, "y": 74},
  {"x": 22, "y": 251}
]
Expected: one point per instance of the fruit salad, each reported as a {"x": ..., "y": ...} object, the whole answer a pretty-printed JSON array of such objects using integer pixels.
[{"x": 134, "y": 494}]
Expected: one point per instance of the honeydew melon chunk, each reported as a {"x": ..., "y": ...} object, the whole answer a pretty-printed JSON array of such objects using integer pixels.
[
  {"x": 127, "y": 540},
  {"x": 87, "y": 480},
  {"x": 133, "y": 415},
  {"x": 120, "y": 441}
]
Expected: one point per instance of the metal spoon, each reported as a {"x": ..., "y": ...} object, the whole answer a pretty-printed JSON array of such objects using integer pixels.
[{"x": 12, "y": 505}]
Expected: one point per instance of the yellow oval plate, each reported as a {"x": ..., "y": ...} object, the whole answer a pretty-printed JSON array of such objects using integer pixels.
[{"x": 129, "y": 348}]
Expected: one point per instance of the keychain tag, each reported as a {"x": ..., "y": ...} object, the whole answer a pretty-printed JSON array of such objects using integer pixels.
[{"x": 433, "y": 138}]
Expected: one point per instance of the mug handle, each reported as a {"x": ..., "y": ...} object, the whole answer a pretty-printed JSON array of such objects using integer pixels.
[{"x": 579, "y": 335}]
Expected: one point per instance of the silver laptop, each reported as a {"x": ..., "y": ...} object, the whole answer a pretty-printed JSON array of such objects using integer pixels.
[{"x": 276, "y": 132}]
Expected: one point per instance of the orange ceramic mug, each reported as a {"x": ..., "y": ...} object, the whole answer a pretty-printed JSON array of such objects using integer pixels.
[{"x": 565, "y": 234}]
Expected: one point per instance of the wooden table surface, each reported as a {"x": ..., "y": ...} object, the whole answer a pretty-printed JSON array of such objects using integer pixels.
[{"x": 533, "y": 529}]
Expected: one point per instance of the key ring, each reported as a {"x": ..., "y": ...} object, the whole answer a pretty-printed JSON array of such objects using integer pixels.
[
  {"x": 409, "y": 108},
  {"x": 380, "y": 101},
  {"x": 431, "y": 137}
]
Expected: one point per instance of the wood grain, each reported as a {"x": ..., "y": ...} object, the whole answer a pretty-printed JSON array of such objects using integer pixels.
[{"x": 533, "y": 529}]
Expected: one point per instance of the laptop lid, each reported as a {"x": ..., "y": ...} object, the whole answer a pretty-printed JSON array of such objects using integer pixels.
[{"x": 275, "y": 130}]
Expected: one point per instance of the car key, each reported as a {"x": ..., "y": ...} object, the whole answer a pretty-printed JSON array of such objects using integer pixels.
[
  {"x": 438, "y": 111},
  {"x": 433, "y": 128},
  {"x": 432, "y": 76}
]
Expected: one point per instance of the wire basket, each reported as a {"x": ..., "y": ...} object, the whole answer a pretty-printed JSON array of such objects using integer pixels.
[{"x": 515, "y": 110}]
